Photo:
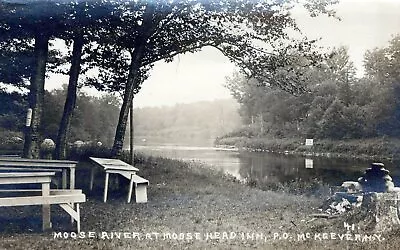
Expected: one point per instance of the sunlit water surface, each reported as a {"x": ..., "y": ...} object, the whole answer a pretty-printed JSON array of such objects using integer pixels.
[{"x": 269, "y": 167}]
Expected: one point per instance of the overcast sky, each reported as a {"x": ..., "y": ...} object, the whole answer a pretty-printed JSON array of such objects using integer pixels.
[{"x": 365, "y": 24}]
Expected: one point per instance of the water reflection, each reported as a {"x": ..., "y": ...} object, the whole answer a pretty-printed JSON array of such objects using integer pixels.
[{"x": 268, "y": 168}]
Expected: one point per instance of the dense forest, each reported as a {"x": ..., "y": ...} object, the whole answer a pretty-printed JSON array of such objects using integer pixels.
[
  {"x": 338, "y": 104},
  {"x": 94, "y": 120}
]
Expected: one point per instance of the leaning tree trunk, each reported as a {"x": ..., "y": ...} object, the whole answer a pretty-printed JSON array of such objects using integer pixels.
[
  {"x": 134, "y": 78},
  {"x": 36, "y": 97},
  {"x": 132, "y": 83},
  {"x": 70, "y": 101},
  {"x": 131, "y": 132}
]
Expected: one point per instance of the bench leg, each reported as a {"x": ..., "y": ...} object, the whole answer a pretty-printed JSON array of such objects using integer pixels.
[
  {"x": 106, "y": 187},
  {"x": 72, "y": 218},
  {"x": 130, "y": 190},
  {"x": 141, "y": 193},
  {"x": 46, "y": 223},
  {"x": 75, "y": 214},
  {"x": 72, "y": 185},
  {"x": 78, "y": 221}
]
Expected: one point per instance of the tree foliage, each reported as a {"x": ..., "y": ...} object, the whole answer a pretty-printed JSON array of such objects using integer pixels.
[
  {"x": 94, "y": 119},
  {"x": 339, "y": 104},
  {"x": 252, "y": 34},
  {"x": 123, "y": 39},
  {"x": 12, "y": 110}
]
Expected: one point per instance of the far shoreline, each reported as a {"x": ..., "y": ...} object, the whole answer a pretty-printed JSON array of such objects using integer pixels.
[{"x": 376, "y": 149}]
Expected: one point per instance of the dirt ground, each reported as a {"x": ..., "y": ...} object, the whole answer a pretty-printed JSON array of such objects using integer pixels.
[{"x": 189, "y": 207}]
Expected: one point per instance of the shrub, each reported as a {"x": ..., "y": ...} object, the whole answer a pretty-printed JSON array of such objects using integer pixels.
[
  {"x": 11, "y": 142},
  {"x": 85, "y": 151}
]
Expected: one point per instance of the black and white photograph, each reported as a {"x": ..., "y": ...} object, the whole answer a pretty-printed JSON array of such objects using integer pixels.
[{"x": 200, "y": 124}]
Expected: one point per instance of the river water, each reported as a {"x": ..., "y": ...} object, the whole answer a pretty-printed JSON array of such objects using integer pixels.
[{"x": 270, "y": 168}]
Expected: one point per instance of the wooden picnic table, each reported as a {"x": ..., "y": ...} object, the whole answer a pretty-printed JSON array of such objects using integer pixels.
[
  {"x": 9, "y": 163},
  {"x": 43, "y": 178},
  {"x": 116, "y": 166},
  {"x": 64, "y": 198}
]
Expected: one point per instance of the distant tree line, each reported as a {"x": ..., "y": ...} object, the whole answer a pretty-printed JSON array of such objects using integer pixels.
[
  {"x": 336, "y": 105},
  {"x": 95, "y": 118},
  {"x": 183, "y": 123}
]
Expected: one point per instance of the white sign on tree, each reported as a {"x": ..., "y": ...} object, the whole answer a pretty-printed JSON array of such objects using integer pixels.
[
  {"x": 309, "y": 142},
  {"x": 28, "y": 118}
]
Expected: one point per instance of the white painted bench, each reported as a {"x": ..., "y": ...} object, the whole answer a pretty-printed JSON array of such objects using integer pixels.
[
  {"x": 67, "y": 199},
  {"x": 140, "y": 189},
  {"x": 115, "y": 166}
]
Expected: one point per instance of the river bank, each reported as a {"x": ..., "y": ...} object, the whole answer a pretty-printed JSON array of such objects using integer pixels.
[
  {"x": 190, "y": 207},
  {"x": 380, "y": 149}
]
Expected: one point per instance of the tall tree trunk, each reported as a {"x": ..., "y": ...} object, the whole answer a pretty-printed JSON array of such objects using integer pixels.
[
  {"x": 70, "y": 101},
  {"x": 132, "y": 83},
  {"x": 132, "y": 135},
  {"x": 134, "y": 79},
  {"x": 36, "y": 97}
]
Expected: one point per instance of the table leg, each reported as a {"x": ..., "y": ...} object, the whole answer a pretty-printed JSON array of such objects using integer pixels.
[
  {"x": 130, "y": 190},
  {"x": 117, "y": 181},
  {"x": 64, "y": 179},
  {"x": 106, "y": 187},
  {"x": 91, "y": 179},
  {"x": 46, "y": 208},
  {"x": 72, "y": 178}
]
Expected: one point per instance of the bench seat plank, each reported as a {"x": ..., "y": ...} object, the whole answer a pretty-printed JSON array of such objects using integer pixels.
[
  {"x": 25, "y": 178},
  {"x": 42, "y": 200},
  {"x": 137, "y": 179}
]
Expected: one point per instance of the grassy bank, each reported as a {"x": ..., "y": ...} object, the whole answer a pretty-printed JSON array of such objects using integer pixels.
[
  {"x": 377, "y": 148},
  {"x": 190, "y": 207}
]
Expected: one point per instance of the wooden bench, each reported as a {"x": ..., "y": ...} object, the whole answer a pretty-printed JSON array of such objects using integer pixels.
[
  {"x": 115, "y": 166},
  {"x": 63, "y": 166},
  {"x": 140, "y": 189},
  {"x": 64, "y": 198}
]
